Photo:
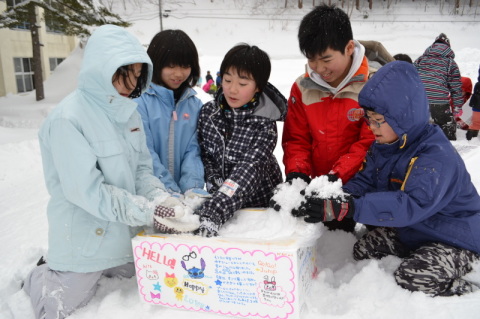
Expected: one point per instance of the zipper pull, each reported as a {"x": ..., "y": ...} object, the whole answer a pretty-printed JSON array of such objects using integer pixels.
[{"x": 174, "y": 115}]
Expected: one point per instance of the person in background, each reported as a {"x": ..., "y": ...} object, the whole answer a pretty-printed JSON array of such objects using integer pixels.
[
  {"x": 467, "y": 87},
  {"x": 237, "y": 133},
  {"x": 210, "y": 87},
  {"x": 376, "y": 53},
  {"x": 441, "y": 77},
  {"x": 206, "y": 86},
  {"x": 403, "y": 57},
  {"x": 466, "y": 94},
  {"x": 414, "y": 187},
  {"x": 475, "y": 105},
  {"x": 98, "y": 173},
  {"x": 218, "y": 80},
  {"x": 208, "y": 77},
  {"x": 324, "y": 131},
  {"x": 169, "y": 109}
]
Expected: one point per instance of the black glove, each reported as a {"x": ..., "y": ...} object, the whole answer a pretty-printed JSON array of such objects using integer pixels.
[
  {"x": 290, "y": 177},
  {"x": 332, "y": 178},
  {"x": 207, "y": 228},
  {"x": 273, "y": 203},
  {"x": 318, "y": 209},
  {"x": 214, "y": 182},
  {"x": 301, "y": 210}
]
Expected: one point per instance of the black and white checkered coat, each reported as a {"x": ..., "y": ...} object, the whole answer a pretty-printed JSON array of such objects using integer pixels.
[{"x": 237, "y": 152}]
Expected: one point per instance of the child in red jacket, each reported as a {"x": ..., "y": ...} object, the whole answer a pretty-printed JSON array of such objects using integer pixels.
[
  {"x": 324, "y": 131},
  {"x": 466, "y": 94}
]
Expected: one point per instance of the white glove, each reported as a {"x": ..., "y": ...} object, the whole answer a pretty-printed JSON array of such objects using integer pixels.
[
  {"x": 187, "y": 223},
  {"x": 175, "y": 203},
  {"x": 172, "y": 216}
]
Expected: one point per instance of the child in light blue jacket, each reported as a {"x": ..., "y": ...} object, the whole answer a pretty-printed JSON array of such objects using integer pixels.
[
  {"x": 98, "y": 172},
  {"x": 169, "y": 110}
]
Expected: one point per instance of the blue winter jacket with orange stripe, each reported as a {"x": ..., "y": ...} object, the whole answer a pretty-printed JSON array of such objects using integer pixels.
[{"x": 418, "y": 184}]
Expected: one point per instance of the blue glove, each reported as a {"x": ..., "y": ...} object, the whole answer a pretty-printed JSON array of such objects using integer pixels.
[
  {"x": 197, "y": 193},
  {"x": 176, "y": 194}
]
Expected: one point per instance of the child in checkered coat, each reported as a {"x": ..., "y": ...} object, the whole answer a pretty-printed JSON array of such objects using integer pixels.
[{"x": 237, "y": 133}]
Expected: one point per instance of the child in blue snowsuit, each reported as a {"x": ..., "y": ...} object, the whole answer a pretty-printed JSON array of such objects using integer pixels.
[
  {"x": 413, "y": 186},
  {"x": 170, "y": 109}
]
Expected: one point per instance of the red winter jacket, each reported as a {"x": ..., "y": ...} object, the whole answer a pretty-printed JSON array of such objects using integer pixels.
[{"x": 324, "y": 133}]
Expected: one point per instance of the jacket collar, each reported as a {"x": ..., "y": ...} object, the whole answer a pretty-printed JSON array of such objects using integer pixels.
[
  {"x": 358, "y": 72},
  {"x": 272, "y": 105},
  {"x": 161, "y": 91}
]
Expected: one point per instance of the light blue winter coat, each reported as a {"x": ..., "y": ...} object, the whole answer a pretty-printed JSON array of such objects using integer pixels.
[
  {"x": 173, "y": 143},
  {"x": 94, "y": 157}
]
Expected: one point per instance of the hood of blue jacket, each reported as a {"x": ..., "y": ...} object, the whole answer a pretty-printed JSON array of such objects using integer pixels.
[
  {"x": 109, "y": 48},
  {"x": 396, "y": 92}
]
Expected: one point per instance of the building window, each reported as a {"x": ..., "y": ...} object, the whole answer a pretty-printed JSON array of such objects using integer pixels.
[
  {"x": 54, "y": 62},
  {"x": 23, "y": 74},
  {"x": 53, "y": 26},
  {"x": 12, "y": 3},
  {"x": 21, "y": 25},
  {"x": 51, "y": 18}
]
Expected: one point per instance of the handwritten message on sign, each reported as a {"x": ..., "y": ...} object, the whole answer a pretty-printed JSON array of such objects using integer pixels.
[{"x": 231, "y": 281}]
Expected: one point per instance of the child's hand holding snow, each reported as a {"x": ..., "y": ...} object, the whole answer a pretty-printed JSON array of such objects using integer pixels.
[
  {"x": 172, "y": 216},
  {"x": 318, "y": 209},
  {"x": 325, "y": 201}
]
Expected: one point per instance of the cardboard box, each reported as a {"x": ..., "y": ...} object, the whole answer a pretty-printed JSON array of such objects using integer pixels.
[{"x": 245, "y": 278}]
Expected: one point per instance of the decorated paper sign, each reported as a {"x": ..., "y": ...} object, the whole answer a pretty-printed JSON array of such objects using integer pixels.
[{"x": 225, "y": 280}]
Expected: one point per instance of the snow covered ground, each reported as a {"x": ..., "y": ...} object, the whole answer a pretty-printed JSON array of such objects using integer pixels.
[{"x": 344, "y": 288}]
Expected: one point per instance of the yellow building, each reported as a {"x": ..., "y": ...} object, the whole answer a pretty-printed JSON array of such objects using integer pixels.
[{"x": 16, "y": 72}]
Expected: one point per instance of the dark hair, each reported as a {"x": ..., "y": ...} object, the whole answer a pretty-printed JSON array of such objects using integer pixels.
[
  {"x": 403, "y": 57},
  {"x": 142, "y": 80},
  {"x": 173, "y": 48},
  {"x": 248, "y": 60},
  {"x": 322, "y": 28}
]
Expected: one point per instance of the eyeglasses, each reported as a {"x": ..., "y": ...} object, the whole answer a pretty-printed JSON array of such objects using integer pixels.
[{"x": 370, "y": 122}]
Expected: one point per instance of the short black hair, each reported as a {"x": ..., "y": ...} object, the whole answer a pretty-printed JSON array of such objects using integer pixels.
[
  {"x": 326, "y": 26},
  {"x": 248, "y": 60},
  {"x": 173, "y": 48},
  {"x": 403, "y": 57},
  {"x": 142, "y": 80}
]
